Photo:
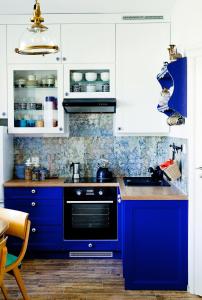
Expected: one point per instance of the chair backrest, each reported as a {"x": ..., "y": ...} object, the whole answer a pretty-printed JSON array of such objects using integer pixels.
[
  {"x": 18, "y": 222},
  {"x": 3, "y": 254}
]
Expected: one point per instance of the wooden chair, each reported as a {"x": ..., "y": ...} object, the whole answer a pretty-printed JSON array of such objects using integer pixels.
[
  {"x": 3, "y": 254},
  {"x": 19, "y": 226}
]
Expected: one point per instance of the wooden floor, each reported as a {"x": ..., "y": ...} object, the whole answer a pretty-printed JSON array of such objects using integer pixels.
[{"x": 81, "y": 280}]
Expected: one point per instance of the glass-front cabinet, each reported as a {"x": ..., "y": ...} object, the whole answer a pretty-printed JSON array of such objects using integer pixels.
[
  {"x": 35, "y": 97},
  {"x": 89, "y": 81}
]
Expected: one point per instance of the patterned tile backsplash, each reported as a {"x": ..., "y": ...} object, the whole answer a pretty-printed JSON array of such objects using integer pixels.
[{"x": 91, "y": 138}]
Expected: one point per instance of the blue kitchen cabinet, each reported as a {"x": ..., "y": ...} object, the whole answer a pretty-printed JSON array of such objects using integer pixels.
[
  {"x": 155, "y": 247},
  {"x": 175, "y": 76},
  {"x": 44, "y": 206}
]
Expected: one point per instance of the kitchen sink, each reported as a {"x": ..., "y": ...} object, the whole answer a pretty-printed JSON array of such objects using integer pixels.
[{"x": 144, "y": 181}]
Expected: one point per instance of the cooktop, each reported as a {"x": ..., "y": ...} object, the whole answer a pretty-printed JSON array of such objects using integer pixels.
[{"x": 90, "y": 180}]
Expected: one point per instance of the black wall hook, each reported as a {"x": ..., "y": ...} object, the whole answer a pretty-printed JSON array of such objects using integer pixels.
[{"x": 176, "y": 149}]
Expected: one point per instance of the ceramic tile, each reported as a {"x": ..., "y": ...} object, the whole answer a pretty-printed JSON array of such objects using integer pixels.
[{"x": 90, "y": 140}]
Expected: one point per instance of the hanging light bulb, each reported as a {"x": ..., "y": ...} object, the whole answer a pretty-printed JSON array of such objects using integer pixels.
[{"x": 36, "y": 40}]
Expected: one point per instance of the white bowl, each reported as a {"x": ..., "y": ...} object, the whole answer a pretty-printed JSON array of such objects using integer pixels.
[
  {"x": 76, "y": 76},
  {"x": 31, "y": 77},
  {"x": 104, "y": 76},
  {"x": 91, "y": 76}
]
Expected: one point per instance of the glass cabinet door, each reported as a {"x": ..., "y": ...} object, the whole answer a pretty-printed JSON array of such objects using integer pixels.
[
  {"x": 35, "y": 99},
  {"x": 89, "y": 81}
]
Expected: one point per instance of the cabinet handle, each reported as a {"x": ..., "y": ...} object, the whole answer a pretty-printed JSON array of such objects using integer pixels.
[
  {"x": 90, "y": 245},
  {"x": 61, "y": 129},
  {"x": 33, "y": 230},
  {"x": 3, "y": 114},
  {"x": 66, "y": 94},
  {"x": 64, "y": 58},
  {"x": 33, "y": 191},
  {"x": 119, "y": 199},
  {"x": 119, "y": 128},
  {"x": 57, "y": 58},
  {"x": 33, "y": 204}
]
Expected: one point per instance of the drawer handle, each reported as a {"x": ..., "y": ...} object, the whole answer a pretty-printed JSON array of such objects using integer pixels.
[
  {"x": 33, "y": 230},
  {"x": 33, "y": 191},
  {"x": 90, "y": 245},
  {"x": 33, "y": 204}
]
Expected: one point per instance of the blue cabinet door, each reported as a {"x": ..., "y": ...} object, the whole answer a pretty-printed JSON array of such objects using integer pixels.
[
  {"x": 45, "y": 208},
  {"x": 155, "y": 251}
]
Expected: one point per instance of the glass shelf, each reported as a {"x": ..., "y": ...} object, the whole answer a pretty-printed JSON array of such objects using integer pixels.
[
  {"x": 35, "y": 87},
  {"x": 90, "y": 81},
  {"x": 35, "y": 98}
]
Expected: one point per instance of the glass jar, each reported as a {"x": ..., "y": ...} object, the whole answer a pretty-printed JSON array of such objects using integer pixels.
[
  {"x": 91, "y": 88},
  {"x": 35, "y": 173},
  {"x": 28, "y": 172}
]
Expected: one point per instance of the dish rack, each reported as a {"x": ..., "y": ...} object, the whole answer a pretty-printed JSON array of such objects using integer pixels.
[{"x": 171, "y": 169}]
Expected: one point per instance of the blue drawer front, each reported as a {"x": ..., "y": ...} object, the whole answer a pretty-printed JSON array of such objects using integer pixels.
[
  {"x": 42, "y": 211},
  {"x": 33, "y": 193},
  {"x": 45, "y": 237},
  {"x": 92, "y": 245},
  {"x": 155, "y": 252}
]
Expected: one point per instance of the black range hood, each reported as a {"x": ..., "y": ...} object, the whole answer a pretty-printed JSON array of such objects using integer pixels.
[{"x": 97, "y": 105}]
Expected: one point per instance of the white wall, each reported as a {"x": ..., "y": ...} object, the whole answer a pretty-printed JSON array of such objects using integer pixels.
[
  {"x": 186, "y": 33},
  {"x": 186, "y": 19}
]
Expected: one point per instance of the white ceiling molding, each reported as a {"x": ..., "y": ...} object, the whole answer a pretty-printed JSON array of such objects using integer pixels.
[{"x": 88, "y": 6}]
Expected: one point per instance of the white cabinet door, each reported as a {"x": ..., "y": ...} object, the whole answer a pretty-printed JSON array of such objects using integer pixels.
[
  {"x": 14, "y": 33},
  {"x": 3, "y": 73},
  {"x": 88, "y": 43},
  {"x": 141, "y": 50},
  {"x": 35, "y": 106}
]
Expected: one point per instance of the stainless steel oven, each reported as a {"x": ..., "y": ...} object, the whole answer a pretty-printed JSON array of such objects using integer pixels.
[{"x": 90, "y": 213}]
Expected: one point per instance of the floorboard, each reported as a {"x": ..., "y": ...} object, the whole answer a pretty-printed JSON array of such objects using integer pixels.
[{"x": 87, "y": 279}]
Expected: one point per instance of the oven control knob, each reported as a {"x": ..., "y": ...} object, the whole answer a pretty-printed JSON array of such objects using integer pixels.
[
  {"x": 78, "y": 192},
  {"x": 100, "y": 192}
]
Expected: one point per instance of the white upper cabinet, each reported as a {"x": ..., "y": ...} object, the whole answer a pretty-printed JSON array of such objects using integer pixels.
[
  {"x": 141, "y": 50},
  {"x": 88, "y": 43},
  {"x": 3, "y": 73},
  {"x": 35, "y": 98},
  {"x": 89, "y": 80},
  {"x": 14, "y": 33}
]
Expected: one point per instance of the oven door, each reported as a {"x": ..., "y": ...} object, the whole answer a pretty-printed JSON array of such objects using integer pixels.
[{"x": 87, "y": 220}]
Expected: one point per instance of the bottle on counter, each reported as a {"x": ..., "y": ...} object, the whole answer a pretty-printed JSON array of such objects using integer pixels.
[
  {"x": 28, "y": 170},
  {"x": 36, "y": 169}
]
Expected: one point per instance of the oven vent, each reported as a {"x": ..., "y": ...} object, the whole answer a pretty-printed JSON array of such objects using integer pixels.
[
  {"x": 142, "y": 18},
  {"x": 93, "y": 254}
]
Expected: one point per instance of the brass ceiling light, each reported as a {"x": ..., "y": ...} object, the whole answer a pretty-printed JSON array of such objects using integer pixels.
[{"x": 36, "y": 40}]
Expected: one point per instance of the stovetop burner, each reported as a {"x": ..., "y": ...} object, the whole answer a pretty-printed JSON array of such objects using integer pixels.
[{"x": 90, "y": 180}]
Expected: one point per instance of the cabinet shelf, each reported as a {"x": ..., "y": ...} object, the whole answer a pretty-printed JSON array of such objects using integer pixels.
[
  {"x": 35, "y": 87},
  {"x": 175, "y": 76}
]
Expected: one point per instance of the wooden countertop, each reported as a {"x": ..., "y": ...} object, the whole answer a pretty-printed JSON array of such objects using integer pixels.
[
  {"x": 150, "y": 192},
  {"x": 53, "y": 183},
  {"x": 127, "y": 192}
]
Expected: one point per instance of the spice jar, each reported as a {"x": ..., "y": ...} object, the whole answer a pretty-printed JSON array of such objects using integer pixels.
[
  {"x": 28, "y": 170},
  {"x": 42, "y": 174},
  {"x": 35, "y": 173}
]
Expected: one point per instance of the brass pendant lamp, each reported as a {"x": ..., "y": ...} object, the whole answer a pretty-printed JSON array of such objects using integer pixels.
[{"x": 36, "y": 40}]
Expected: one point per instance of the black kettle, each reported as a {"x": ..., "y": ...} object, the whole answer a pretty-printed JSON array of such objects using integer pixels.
[{"x": 103, "y": 172}]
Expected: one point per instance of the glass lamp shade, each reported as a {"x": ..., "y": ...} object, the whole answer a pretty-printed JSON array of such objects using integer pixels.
[{"x": 37, "y": 41}]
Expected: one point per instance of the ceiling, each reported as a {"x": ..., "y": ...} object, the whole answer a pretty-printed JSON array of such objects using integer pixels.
[{"x": 88, "y": 6}]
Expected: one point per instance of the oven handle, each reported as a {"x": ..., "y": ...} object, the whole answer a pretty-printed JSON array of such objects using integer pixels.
[{"x": 84, "y": 202}]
